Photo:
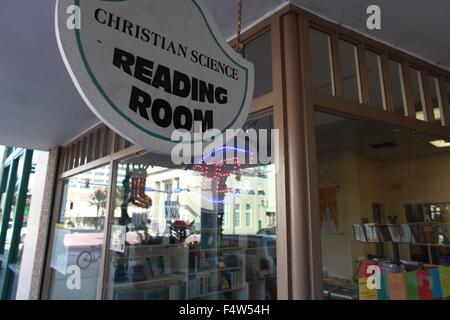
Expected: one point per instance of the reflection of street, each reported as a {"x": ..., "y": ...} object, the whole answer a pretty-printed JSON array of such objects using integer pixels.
[{"x": 77, "y": 243}]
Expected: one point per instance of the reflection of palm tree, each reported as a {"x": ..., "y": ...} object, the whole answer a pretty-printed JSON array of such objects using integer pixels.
[{"x": 98, "y": 200}]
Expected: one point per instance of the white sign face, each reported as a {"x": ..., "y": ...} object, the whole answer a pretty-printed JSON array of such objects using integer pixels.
[
  {"x": 172, "y": 209},
  {"x": 118, "y": 238},
  {"x": 149, "y": 67}
]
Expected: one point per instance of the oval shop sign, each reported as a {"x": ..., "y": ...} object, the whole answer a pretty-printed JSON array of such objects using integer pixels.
[{"x": 149, "y": 67}]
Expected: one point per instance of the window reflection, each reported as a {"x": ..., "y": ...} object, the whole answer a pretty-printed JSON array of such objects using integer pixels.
[
  {"x": 375, "y": 79},
  {"x": 177, "y": 244},
  {"x": 259, "y": 52},
  {"x": 384, "y": 201},
  {"x": 436, "y": 100},
  {"x": 447, "y": 86},
  {"x": 78, "y": 236},
  {"x": 417, "y": 91},
  {"x": 9, "y": 232},
  {"x": 351, "y": 88},
  {"x": 398, "y": 87},
  {"x": 190, "y": 233},
  {"x": 322, "y": 66}
]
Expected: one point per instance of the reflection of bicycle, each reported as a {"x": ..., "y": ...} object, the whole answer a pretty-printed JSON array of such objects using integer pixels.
[{"x": 86, "y": 258}]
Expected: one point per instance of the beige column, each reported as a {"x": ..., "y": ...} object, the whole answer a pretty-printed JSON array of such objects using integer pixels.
[
  {"x": 33, "y": 259},
  {"x": 303, "y": 223}
]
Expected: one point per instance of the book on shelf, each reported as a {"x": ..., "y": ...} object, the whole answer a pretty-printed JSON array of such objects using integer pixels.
[
  {"x": 417, "y": 232},
  {"x": 385, "y": 232},
  {"x": 149, "y": 266},
  {"x": 406, "y": 233},
  {"x": 230, "y": 277},
  {"x": 395, "y": 231},
  {"x": 373, "y": 232},
  {"x": 231, "y": 259},
  {"x": 359, "y": 232},
  {"x": 175, "y": 292}
]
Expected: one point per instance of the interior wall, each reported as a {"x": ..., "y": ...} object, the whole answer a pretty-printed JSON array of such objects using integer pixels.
[{"x": 364, "y": 181}]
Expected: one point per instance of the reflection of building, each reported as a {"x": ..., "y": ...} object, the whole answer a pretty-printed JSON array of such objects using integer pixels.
[
  {"x": 85, "y": 204},
  {"x": 254, "y": 193}
]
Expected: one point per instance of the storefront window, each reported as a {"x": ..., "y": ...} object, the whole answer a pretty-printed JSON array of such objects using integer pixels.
[
  {"x": 417, "y": 91},
  {"x": 322, "y": 66},
  {"x": 78, "y": 236},
  {"x": 384, "y": 203},
  {"x": 3, "y": 188},
  {"x": 181, "y": 249},
  {"x": 375, "y": 79},
  {"x": 351, "y": 85},
  {"x": 9, "y": 233},
  {"x": 259, "y": 52},
  {"x": 26, "y": 213},
  {"x": 397, "y": 86},
  {"x": 447, "y": 86},
  {"x": 436, "y": 100},
  {"x": 169, "y": 239}
]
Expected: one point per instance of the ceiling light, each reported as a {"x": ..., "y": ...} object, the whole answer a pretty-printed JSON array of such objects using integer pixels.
[{"x": 440, "y": 143}]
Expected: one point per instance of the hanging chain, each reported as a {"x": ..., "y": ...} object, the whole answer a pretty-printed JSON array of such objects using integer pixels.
[{"x": 239, "y": 45}]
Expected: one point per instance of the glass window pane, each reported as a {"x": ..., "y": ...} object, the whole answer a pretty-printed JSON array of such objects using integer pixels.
[
  {"x": 351, "y": 87},
  {"x": 13, "y": 207},
  {"x": 436, "y": 100},
  {"x": 2, "y": 271},
  {"x": 186, "y": 238},
  {"x": 26, "y": 214},
  {"x": 78, "y": 236},
  {"x": 375, "y": 79},
  {"x": 397, "y": 86},
  {"x": 259, "y": 52},
  {"x": 417, "y": 91},
  {"x": 3, "y": 193},
  {"x": 12, "y": 289},
  {"x": 377, "y": 206},
  {"x": 447, "y": 86},
  {"x": 322, "y": 66}
]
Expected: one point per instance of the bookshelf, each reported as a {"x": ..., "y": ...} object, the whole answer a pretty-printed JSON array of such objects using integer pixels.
[
  {"x": 149, "y": 272},
  {"x": 217, "y": 273},
  {"x": 432, "y": 220},
  {"x": 166, "y": 272}
]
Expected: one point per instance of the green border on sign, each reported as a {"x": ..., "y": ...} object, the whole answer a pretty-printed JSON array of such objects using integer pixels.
[{"x": 111, "y": 103}]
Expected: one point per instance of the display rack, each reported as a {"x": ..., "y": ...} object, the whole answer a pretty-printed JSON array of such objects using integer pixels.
[{"x": 165, "y": 269}]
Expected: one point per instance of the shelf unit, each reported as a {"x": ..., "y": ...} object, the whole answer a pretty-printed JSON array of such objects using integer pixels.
[
  {"x": 217, "y": 273},
  {"x": 132, "y": 276}
]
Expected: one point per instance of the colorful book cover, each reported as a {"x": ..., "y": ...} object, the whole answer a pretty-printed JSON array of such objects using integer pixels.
[
  {"x": 383, "y": 292},
  {"x": 364, "y": 292},
  {"x": 436, "y": 283},
  {"x": 397, "y": 290},
  {"x": 445, "y": 280},
  {"x": 411, "y": 284},
  {"x": 424, "y": 283},
  {"x": 362, "y": 272}
]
